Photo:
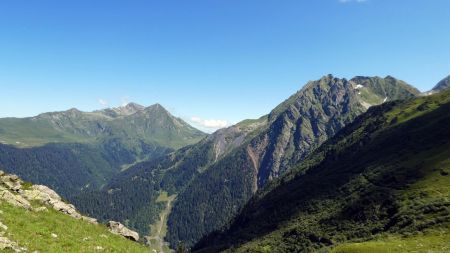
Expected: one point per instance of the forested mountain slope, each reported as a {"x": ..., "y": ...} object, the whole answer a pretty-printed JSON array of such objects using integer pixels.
[
  {"x": 215, "y": 177},
  {"x": 379, "y": 185},
  {"x": 131, "y": 195},
  {"x": 73, "y": 151},
  {"x": 295, "y": 128}
]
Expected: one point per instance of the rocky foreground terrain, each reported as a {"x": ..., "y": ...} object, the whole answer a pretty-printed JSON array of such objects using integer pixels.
[{"x": 41, "y": 199}]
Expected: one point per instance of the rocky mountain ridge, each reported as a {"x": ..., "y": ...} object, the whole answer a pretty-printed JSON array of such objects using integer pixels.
[
  {"x": 381, "y": 177},
  {"x": 215, "y": 177},
  {"x": 442, "y": 85}
]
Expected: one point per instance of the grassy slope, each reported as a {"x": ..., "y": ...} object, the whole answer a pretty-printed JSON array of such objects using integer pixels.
[
  {"x": 28, "y": 133},
  {"x": 295, "y": 128},
  {"x": 33, "y": 230},
  {"x": 384, "y": 180},
  {"x": 152, "y": 125}
]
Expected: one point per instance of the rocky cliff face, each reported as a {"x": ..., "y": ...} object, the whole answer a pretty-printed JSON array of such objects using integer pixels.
[
  {"x": 380, "y": 176},
  {"x": 313, "y": 115},
  {"x": 215, "y": 177},
  {"x": 293, "y": 130}
]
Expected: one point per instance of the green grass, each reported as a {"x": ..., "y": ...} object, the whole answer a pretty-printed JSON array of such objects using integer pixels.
[
  {"x": 377, "y": 186},
  {"x": 27, "y": 133},
  {"x": 33, "y": 230},
  {"x": 429, "y": 243},
  {"x": 370, "y": 97}
]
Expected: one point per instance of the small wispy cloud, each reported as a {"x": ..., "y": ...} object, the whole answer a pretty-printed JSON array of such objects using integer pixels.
[
  {"x": 352, "y": 1},
  {"x": 103, "y": 102},
  {"x": 209, "y": 124},
  {"x": 124, "y": 100}
]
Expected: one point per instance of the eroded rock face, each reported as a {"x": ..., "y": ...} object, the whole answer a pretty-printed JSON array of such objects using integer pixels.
[{"x": 119, "y": 229}]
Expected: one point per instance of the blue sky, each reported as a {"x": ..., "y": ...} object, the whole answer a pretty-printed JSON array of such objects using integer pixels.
[{"x": 223, "y": 60}]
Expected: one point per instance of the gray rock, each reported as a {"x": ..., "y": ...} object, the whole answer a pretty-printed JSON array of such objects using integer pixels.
[
  {"x": 49, "y": 197},
  {"x": 89, "y": 219},
  {"x": 12, "y": 182},
  {"x": 16, "y": 200},
  {"x": 119, "y": 229},
  {"x": 7, "y": 244}
]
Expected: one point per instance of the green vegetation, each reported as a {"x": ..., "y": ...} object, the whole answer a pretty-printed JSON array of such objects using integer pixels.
[
  {"x": 152, "y": 125},
  {"x": 381, "y": 182},
  {"x": 214, "y": 178},
  {"x": 34, "y": 230},
  {"x": 294, "y": 129},
  {"x": 132, "y": 196},
  {"x": 158, "y": 230},
  {"x": 74, "y": 151},
  {"x": 429, "y": 242}
]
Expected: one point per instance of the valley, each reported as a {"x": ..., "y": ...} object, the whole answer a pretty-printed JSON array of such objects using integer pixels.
[
  {"x": 225, "y": 126},
  {"x": 200, "y": 193},
  {"x": 158, "y": 230}
]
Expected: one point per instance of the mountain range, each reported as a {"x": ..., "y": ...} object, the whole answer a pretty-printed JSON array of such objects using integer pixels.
[
  {"x": 331, "y": 165},
  {"x": 379, "y": 185},
  {"x": 71, "y": 150},
  {"x": 214, "y": 178}
]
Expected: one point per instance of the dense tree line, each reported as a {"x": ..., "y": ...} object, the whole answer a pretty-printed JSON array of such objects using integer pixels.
[
  {"x": 71, "y": 168},
  {"x": 354, "y": 187},
  {"x": 130, "y": 197}
]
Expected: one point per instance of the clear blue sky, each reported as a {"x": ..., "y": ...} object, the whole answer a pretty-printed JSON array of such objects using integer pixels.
[{"x": 212, "y": 59}]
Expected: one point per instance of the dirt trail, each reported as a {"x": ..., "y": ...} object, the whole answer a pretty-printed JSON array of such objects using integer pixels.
[{"x": 160, "y": 233}]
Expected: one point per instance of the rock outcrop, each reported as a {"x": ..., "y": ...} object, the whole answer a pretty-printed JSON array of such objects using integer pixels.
[
  {"x": 14, "y": 192},
  {"x": 47, "y": 196},
  {"x": 119, "y": 229}
]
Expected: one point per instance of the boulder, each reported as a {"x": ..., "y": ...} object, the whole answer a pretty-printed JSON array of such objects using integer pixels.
[
  {"x": 12, "y": 182},
  {"x": 119, "y": 229},
  {"x": 49, "y": 197},
  {"x": 41, "y": 193},
  {"x": 65, "y": 208},
  {"x": 89, "y": 219}
]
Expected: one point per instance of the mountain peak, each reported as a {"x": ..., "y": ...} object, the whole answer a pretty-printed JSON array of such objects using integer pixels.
[
  {"x": 134, "y": 106},
  {"x": 443, "y": 84}
]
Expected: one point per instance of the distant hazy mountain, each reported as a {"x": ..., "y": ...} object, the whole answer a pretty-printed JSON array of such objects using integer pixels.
[
  {"x": 215, "y": 177},
  {"x": 130, "y": 123},
  {"x": 73, "y": 150},
  {"x": 379, "y": 185}
]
